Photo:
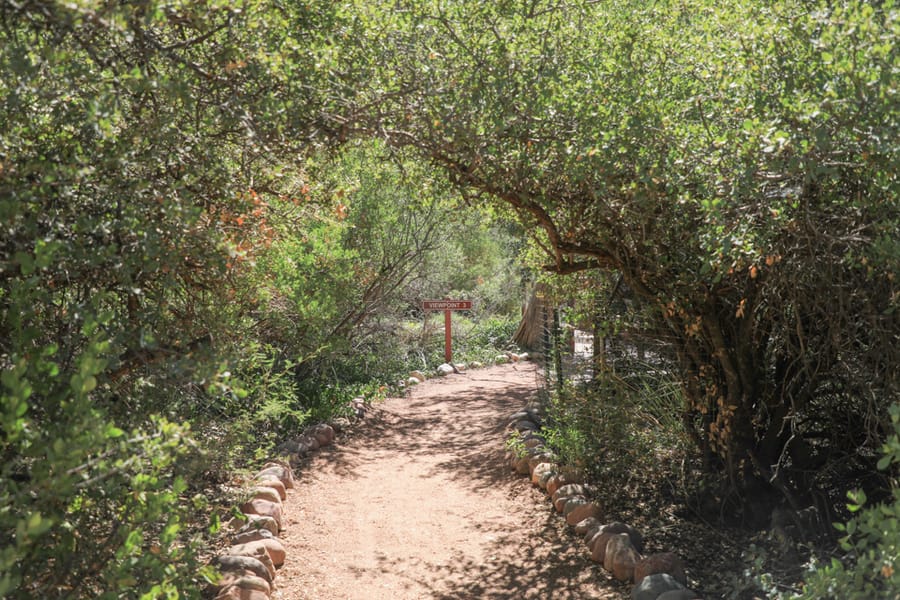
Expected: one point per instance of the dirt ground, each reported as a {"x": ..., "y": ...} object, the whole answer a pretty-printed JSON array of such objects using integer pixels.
[{"x": 419, "y": 503}]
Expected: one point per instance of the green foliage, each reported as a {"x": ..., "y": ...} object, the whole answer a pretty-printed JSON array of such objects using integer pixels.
[
  {"x": 871, "y": 543},
  {"x": 734, "y": 162},
  {"x": 361, "y": 239},
  {"x": 179, "y": 240},
  {"x": 617, "y": 428},
  {"x": 130, "y": 138},
  {"x": 492, "y": 333}
]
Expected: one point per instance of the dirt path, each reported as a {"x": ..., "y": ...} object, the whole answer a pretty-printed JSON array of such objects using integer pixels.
[{"x": 420, "y": 504}]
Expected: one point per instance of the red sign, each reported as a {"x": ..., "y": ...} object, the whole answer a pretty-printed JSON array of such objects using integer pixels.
[{"x": 446, "y": 304}]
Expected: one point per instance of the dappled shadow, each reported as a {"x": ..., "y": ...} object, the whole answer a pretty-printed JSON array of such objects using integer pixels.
[
  {"x": 419, "y": 502},
  {"x": 457, "y": 429},
  {"x": 546, "y": 565}
]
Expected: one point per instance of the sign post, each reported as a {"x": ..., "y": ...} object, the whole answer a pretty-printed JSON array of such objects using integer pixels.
[{"x": 447, "y": 306}]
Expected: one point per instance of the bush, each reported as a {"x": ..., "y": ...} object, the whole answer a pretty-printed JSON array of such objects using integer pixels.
[
  {"x": 735, "y": 163},
  {"x": 617, "y": 428},
  {"x": 870, "y": 567}
]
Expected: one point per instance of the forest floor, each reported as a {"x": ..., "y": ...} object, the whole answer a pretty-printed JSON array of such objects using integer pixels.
[{"x": 420, "y": 503}]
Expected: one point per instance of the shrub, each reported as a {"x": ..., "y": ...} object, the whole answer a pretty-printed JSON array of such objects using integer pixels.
[
  {"x": 870, "y": 567},
  {"x": 616, "y": 428}
]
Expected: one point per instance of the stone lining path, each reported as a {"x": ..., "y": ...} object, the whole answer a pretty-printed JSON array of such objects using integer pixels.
[{"x": 419, "y": 503}]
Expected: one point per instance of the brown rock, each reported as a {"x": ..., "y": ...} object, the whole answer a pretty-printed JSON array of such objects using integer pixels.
[
  {"x": 265, "y": 508},
  {"x": 273, "y": 547},
  {"x": 251, "y": 535},
  {"x": 252, "y": 522},
  {"x": 573, "y": 503},
  {"x": 621, "y": 557},
  {"x": 561, "y": 501},
  {"x": 542, "y": 473},
  {"x": 542, "y": 482},
  {"x": 623, "y": 565},
  {"x": 589, "y": 535},
  {"x": 570, "y": 489},
  {"x": 249, "y": 582},
  {"x": 538, "y": 458},
  {"x": 554, "y": 483},
  {"x": 324, "y": 434},
  {"x": 274, "y": 483},
  {"x": 266, "y": 493},
  {"x": 281, "y": 471},
  {"x": 587, "y": 524},
  {"x": 582, "y": 512},
  {"x": 597, "y": 545},
  {"x": 598, "y": 542},
  {"x": 242, "y": 565},
  {"x": 521, "y": 465},
  {"x": 566, "y": 477},
  {"x": 662, "y": 562}
]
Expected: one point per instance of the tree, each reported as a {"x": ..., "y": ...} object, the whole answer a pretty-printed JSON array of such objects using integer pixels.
[
  {"x": 734, "y": 163},
  {"x": 131, "y": 138}
]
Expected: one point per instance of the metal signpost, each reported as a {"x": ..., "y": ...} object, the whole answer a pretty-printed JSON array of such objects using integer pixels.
[{"x": 447, "y": 306}]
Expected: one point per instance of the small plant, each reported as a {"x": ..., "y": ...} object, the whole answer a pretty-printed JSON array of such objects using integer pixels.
[{"x": 870, "y": 567}]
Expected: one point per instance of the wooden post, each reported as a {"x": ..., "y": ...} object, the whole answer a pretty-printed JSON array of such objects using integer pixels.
[
  {"x": 447, "y": 306},
  {"x": 448, "y": 338}
]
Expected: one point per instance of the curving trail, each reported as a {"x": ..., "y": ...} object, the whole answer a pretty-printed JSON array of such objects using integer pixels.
[{"x": 419, "y": 504}]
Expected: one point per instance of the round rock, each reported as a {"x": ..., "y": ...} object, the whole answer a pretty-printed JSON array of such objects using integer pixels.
[
  {"x": 275, "y": 484},
  {"x": 662, "y": 562},
  {"x": 282, "y": 472},
  {"x": 234, "y": 592},
  {"x": 571, "y": 489},
  {"x": 583, "y": 512},
  {"x": 272, "y": 547},
  {"x": 248, "y": 582},
  {"x": 264, "y": 508},
  {"x": 243, "y": 564},
  {"x": 252, "y": 522},
  {"x": 598, "y": 542},
  {"x": 251, "y": 535},
  {"x": 542, "y": 473},
  {"x": 586, "y": 524},
  {"x": 521, "y": 465},
  {"x": 324, "y": 434},
  {"x": 266, "y": 493},
  {"x": 445, "y": 369},
  {"x": 537, "y": 457},
  {"x": 572, "y": 504},
  {"x": 621, "y": 557},
  {"x": 653, "y": 586}
]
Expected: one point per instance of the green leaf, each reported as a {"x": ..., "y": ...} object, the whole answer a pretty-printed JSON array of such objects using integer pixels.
[
  {"x": 26, "y": 262},
  {"x": 114, "y": 432}
]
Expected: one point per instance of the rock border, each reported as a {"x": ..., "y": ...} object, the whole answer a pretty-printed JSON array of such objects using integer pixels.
[
  {"x": 615, "y": 545},
  {"x": 248, "y": 566}
]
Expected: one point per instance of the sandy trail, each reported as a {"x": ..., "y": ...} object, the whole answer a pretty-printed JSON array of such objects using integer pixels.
[{"x": 419, "y": 503}]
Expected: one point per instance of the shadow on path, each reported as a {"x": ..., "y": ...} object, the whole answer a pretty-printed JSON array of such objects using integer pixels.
[{"x": 420, "y": 503}]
